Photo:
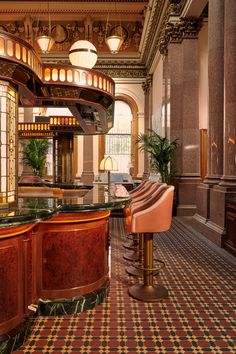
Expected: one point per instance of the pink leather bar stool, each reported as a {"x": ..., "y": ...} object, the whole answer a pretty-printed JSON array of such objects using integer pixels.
[
  {"x": 139, "y": 187},
  {"x": 141, "y": 194},
  {"x": 136, "y": 207},
  {"x": 144, "y": 194},
  {"x": 155, "y": 218}
]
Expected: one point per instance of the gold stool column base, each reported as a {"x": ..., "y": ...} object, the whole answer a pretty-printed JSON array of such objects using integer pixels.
[{"x": 148, "y": 293}]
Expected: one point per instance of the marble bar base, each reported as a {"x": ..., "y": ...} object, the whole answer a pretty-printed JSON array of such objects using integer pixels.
[
  {"x": 16, "y": 337},
  {"x": 74, "y": 305}
]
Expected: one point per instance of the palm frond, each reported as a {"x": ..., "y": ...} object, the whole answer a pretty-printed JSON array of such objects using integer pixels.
[{"x": 161, "y": 150}]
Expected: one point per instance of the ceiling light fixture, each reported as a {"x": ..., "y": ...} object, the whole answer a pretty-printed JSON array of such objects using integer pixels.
[
  {"x": 83, "y": 53},
  {"x": 114, "y": 41},
  {"x": 46, "y": 42}
]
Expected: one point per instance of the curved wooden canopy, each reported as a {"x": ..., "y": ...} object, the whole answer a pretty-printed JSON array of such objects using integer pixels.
[{"x": 89, "y": 94}]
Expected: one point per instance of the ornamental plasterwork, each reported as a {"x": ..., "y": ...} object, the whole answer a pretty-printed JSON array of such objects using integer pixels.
[
  {"x": 172, "y": 31},
  {"x": 176, "y": 6},
  {"x": 66, "y": 33},
  {"x": 153, "y": 20},
  {"x": 124, "y": 73},
  {"x": 147, "y": 84},
  {"x": 127, "y": 70}
]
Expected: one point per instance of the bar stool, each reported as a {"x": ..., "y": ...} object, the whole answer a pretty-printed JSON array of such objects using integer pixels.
[
  {"x": 139, "y": 187},
  {"x": 138, "y": 195},
  {"x": 135, "y": 270},
  {"x": 145, "y": 193},
  {"x": 155, "y": 218}
]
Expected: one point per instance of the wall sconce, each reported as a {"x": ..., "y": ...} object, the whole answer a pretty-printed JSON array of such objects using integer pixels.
[{"x": 46, "y": 42}]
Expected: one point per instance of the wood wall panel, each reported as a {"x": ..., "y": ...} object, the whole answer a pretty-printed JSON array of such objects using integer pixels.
[{"x": 11, "y": 284}]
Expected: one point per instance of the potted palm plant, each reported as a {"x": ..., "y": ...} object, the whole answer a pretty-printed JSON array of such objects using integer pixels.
[
  {"x": 35, "y": 154},
  {"x": 161, "y": 150}
]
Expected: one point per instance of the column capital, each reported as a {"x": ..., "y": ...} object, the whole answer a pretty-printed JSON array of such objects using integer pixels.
[
  {"x": 147, "y": 84},
  {"x": 175, "y": 32}
]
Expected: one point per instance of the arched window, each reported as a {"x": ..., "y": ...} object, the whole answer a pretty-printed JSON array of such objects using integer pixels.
[{"x": 118, "y": 140}]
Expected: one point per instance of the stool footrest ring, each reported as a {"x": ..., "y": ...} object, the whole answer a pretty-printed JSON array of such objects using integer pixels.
[{"x": 156, "y": 269}]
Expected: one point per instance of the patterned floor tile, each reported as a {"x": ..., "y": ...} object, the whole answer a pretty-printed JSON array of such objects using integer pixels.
[{"x": 198, "y": 317}]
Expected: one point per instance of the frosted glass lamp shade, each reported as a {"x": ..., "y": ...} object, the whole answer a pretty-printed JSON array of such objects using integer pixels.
[
  {"x": 108, "y": 164},
  {"x": 114, "y": 43},
  {"x": 84, "y": 54},
  {"x": 45, "y": 43}
]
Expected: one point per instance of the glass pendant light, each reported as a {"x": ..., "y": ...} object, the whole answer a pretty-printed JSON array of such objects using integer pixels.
[
  {"x": 46, "y": 42},
  {"x": 114, "y": 41}
]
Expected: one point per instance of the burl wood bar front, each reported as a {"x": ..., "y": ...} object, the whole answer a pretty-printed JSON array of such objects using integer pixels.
[
  {"x": 72, "y": 254},
  {"x": 53, "y": 258}
]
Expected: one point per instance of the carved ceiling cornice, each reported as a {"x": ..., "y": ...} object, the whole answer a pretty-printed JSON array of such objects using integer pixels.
[
  {"x": 170, "y": 27},
  {"x": 153, "y": 21},
  {"x": 125, "y": 70},
  {"x": 133, "y": 73},
  {"x": 99, "y": 8},
  {"x": 163, "y": 24},
  {"x": 115, "y": 67}
]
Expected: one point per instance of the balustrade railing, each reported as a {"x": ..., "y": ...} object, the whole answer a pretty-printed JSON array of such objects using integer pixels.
[{"x": 19, "y": 51}]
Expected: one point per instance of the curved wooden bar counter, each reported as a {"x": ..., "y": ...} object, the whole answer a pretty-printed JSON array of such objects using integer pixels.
[{"x": 53, "y": 258}]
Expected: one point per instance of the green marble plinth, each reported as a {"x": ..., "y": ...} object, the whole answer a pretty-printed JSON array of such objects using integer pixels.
[{"x": 75, "y": 305}]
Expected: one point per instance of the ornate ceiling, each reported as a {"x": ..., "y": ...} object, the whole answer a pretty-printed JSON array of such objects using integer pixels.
[{"x": 142, "y": 24}]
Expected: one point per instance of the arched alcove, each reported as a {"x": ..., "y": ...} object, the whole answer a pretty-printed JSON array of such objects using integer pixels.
[{"x": 134, "y": 133}]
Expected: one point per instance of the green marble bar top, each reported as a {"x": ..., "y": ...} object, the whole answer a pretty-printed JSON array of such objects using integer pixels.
[
  {"x": 97, "y": 198},
  {"x": 29, "y": 210},
  {"x": 33, "y": 209}
]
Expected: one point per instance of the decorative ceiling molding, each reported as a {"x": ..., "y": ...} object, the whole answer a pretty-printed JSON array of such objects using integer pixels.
[
  {"x": 155, "y": 9},
  {"x": 149, "y": 26},
  {"x": 127, "y": 70},
  {"x": 124, "y": 72},
  {"x": 169, "y": 27},
  {"x": 100, "y": 8},
  {"x": 65, "y": 33}
]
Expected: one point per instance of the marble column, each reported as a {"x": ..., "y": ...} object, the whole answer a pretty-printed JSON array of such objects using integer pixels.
[
  {"x": 223, "y": 150},
  {"x": 184, "y": 120},
  {"x": 88, "y": 174},
  {"x": 175, "y": 63},
  {"x": 216, "y": 108},
  {"x": 219, "y": 193},
  {"x": 229, "y": 176},
  {"x": 147, "y": 88}
]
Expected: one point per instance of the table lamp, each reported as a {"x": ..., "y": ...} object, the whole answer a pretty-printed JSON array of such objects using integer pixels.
[{"x": 108, "y": 164}]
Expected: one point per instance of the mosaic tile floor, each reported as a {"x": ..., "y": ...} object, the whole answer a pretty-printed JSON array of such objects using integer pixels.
[{"x": 198, "y": 317}]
